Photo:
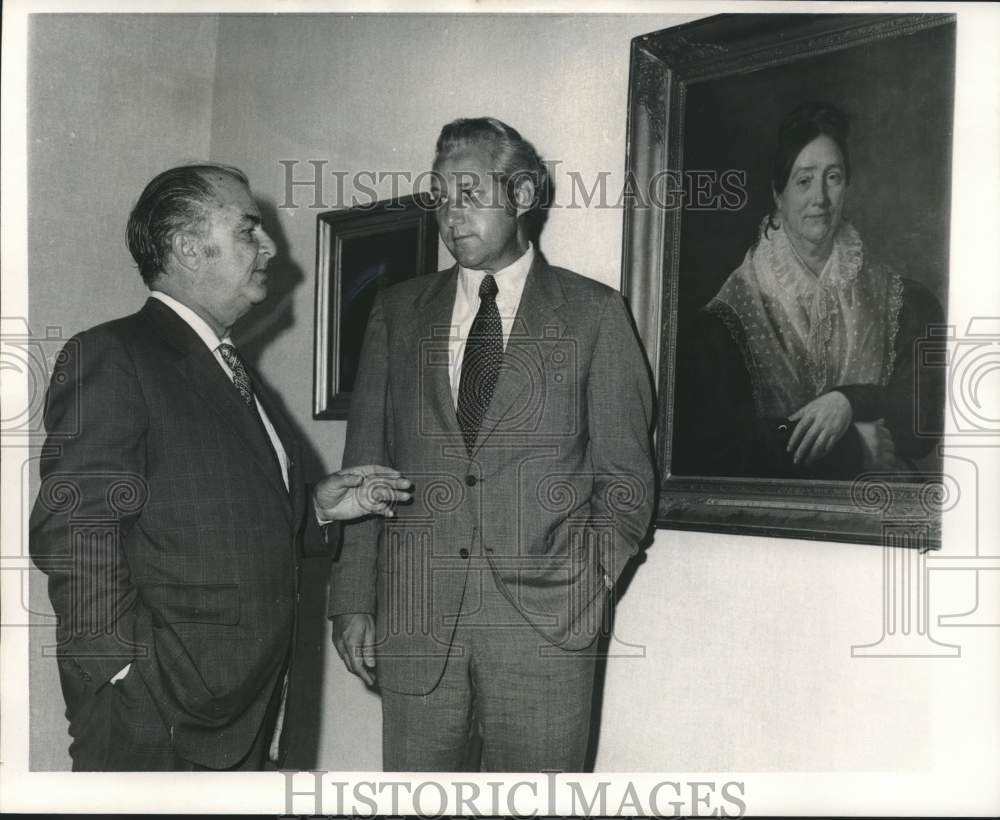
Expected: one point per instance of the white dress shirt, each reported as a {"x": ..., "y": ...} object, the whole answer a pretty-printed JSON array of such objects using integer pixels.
[{"x": 510, "y": 285}]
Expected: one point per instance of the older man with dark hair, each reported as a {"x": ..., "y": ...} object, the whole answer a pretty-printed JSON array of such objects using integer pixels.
[
  {"x": 515, "y": 395},
  {"x": 171, "y": 509}
]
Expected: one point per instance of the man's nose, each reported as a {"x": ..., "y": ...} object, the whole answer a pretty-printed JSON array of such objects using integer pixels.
[
  {"x": 454, "y": 214},
  {"x": 267, "y": 245}
]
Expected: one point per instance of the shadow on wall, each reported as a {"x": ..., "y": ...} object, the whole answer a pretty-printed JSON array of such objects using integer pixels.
[
  {"x": 273, "y": 318},
  {"x": 276, "y": 315}
]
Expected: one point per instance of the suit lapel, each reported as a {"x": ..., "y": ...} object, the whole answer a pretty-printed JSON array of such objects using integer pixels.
[
  {"x": 200, "y": 368},
  {"x": 430, "y": 332},
  {"x": 526, "y": 353}
]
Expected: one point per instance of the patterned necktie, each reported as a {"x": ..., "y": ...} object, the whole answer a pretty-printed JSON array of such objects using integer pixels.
[
  {"x": 481, "y": 363},
  {"x": 243, "y": 382},
  {"x": 241, "y": 376}
]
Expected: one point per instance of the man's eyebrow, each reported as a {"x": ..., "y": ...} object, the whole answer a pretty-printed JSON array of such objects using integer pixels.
[{"x": 253, "y": 219}]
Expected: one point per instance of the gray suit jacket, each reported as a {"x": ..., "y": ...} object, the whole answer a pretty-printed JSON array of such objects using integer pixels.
[{"x": 552, "y": 503}]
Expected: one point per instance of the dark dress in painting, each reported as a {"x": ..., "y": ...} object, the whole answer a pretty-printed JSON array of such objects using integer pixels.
[{"x": 776, "y": 336}]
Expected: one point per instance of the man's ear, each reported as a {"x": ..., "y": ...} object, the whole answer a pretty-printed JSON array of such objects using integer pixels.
[
  {"x": 524, "y": 194},
  {"x": 187, "y": 250}
]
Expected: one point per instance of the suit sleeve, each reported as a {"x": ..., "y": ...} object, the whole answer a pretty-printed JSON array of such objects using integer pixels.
[
  {"x": 316, "y": 531},
  {"x": 620, "y": 417},
  {"x": 92, "y": 491},
  {"x": 352, "y": 578}
]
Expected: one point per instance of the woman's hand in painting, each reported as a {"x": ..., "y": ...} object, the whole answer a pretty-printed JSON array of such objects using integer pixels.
[{"x": 821, "y": 424}]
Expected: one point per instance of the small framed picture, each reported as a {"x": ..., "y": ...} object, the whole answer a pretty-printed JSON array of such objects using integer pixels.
[{"x": 360, "y": 251}]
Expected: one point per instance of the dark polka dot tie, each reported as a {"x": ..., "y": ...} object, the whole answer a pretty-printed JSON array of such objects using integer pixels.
[
  {"x": 241, "y": 376},
  {"x": 481, "y": 363}
]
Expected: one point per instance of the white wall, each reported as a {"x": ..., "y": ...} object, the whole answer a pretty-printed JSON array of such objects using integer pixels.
[
  {"x": 113, "y": 100},
  {"x": 745, "y": 660}
]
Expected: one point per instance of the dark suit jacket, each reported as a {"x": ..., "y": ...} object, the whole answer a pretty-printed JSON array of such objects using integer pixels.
[
  {"x": 558, "y": 492},
  {"x": 166, "y": 531}
]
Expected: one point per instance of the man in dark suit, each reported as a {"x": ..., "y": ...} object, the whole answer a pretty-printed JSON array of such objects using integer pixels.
[
  {"x": 515, "y": 395},
  {"x": 171, "y": 506}
]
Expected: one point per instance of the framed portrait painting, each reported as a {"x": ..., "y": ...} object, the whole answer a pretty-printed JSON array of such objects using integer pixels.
[
  {"x": 786, "y": 258},
  {"x": 360, "y": 251}
]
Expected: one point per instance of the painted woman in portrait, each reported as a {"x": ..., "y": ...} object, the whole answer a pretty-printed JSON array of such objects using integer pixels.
[{"x": 807, "y": 354}]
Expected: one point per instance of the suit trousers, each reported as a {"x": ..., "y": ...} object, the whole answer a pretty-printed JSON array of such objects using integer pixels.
[
  {"x": 527, "y": 702},
  {"x": 118, "y": 729}
]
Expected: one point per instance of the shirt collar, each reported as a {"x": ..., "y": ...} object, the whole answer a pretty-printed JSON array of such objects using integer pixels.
[
  {"x": 509, "y": 280},
  {"x": 194, "y": 321}
]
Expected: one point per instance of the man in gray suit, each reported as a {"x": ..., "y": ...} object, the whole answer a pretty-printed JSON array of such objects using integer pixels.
[
  {"x": 515, "y": 395},
  {"x": 172, "y": 503}
]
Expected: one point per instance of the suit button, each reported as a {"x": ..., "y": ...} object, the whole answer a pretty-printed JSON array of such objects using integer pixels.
[
  {"x": 471, "y": 480},
  {"x": 464, "y": 553}
]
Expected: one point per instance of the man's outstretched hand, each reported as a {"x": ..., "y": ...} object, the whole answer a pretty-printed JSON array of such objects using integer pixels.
[{"x": 357, "y": 491}]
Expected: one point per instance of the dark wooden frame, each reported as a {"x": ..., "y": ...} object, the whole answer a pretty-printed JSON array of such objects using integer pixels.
[
  {"x": 663, "y": 64},
  {"x": 333, "y": 228}
]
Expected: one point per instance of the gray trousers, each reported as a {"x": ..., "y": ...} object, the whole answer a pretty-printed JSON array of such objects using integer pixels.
[{"x": 505, "y": 689}]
